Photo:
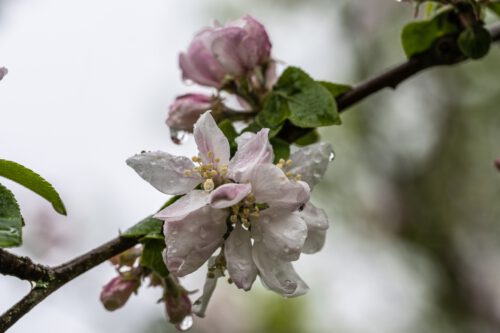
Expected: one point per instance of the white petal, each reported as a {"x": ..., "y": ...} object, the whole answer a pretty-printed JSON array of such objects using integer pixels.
[
  {"x": 209, "y": 138},
  {"x": 201, "y": 304},
  {"x": 254, "y": 152},
  {"x": 193, "y": 239},
  {"x": 165, "y": 172},
  {"x": 278, "y": 275},
  {"x": 317, "y": 224},
  {"x": 271, "y": 186},
  {"x": 228, "y": 195},
  {"x": 244, "y": 138},
  {"x": 311, "y": 162},
  {"x": 238, "y": 252},
  {"x": 283, "y": 234},
  {"x": 189, "y": 203}
]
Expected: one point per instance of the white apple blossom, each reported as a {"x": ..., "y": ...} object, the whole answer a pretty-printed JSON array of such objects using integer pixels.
[{"x": 258, "y": 213}]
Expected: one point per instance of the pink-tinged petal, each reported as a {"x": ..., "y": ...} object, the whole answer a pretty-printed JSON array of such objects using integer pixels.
[
  {"x": 225, "y": 49},
  {"x": 209, "y": 138},
  {"x": 271, "y": 186},
  {"x": 189, "y": 203},
  {"x": 244, "y": 138},
  {"x": 191, "y": 72},
  {"x": 271, "y": 76},
  {"x": 282, "y": 233},
  {"x": 254, "y": 152},
  {"x": 228, "y": 195},
  {"x": 277, "y": 275},
  {"x": 238, "y": 253},
  {"x": 192, "y": 240},
  {"x": 201, "y": 304},
  {"x": 311, "y": 162},
  {"x": 165, "y": 172},
  {"x": 116, "y": 292},
  {"x": 317, "y": 224},
  {"x": 186, "y": 109}
]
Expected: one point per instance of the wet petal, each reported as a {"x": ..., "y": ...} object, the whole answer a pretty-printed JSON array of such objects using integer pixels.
[
  {"x": 276, "y": 274},
  {"x": 317, "y": 224},
  {"x": 282, "y": 233},
  {"x": 193, "y": 239},
  {"x": 228, "y": 195},
  {"x": 238, "y": 252},
  {"x": 209, "y": 138},
  {"x": 201, "y": 304},
  {"x": 311, "y": 162},
  {"x": 165, "y": 172},
  {"x": 252, "y": 153},
  {"x": 225, "y": 46},
  {"x": 271, "y": 186},
  {"x": 189, "y": 203}
]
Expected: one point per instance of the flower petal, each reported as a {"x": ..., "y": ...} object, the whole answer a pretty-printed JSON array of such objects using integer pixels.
[
  {"x": 282, "y": 233},
  {"x": 189, "y": 203},
  {"x": 209, "y": 138},
  {"x": 276, "y": 274},
  {"x": 165, "y": 172},
  {"x": 238, "y": 252},
  {"x": 252, "y": 153},
  {"x": 201, "y": 304},
  {"x": 224, "y": 47},
  {"x": 311, "y": 162},
  {"x": 317, "y": 224},
  {"x": 271, "y": 186},
  {"x": 228, "y": 195},
  {"x": 193, "y": 239}
]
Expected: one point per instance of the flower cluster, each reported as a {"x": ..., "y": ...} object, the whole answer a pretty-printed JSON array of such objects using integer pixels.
[
  {"x": 222, "y": 57},
  {"x": 258, "y": 213}
]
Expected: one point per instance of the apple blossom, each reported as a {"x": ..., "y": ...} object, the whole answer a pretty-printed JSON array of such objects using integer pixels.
[
  {"x": 116, "y": 292},
  {"x": 186, "y": 110},
  {"x": 219, "y": 52}
]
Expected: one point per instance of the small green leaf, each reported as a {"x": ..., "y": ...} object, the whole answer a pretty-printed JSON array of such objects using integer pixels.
[
  {"x": 32, "y": 181},
  {"x": 334, "y": 88},
  {"x": 418, "y": 37},
  {"x": 310, "y": 103},
  {"x": 281, "y": 149},
  {"x": 226, "y": 126},
  {"x": 255, "y": 127},
  {"x": 152, "y": 256},
  {"x": 274, "y": 112},
  {"x": 11, "y": 221},
  {"x": 149, "y": 228},
  {"x": 308, "y": 139},
  {"x": 474, "y": 42}
]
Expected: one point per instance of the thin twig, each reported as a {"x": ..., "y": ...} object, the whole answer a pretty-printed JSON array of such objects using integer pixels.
[
  {"x": 445, "y": 53},
  {"x": 22, "y": 267}
]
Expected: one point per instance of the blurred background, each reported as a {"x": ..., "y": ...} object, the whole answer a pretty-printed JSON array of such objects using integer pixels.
[{"x": 413, "y": 197}]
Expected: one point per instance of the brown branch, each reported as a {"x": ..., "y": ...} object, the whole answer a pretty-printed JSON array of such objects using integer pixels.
[
  {"x": 22, "y": 267},
  {"x": 445, "y": 52}
]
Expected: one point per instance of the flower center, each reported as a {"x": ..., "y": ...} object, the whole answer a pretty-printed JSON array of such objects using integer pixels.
[
  {"x": 284, "y": 165},
  {"x": 245, "y": 210},
  {"x": 212, "y": 173}
]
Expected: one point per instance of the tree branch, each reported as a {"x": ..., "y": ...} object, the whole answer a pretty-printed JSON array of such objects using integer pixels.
[{"x": 445, "y": 52}]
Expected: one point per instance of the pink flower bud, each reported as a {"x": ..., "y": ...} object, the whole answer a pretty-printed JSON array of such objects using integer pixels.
[
  {"x": 3, "y": 72},
  {"x": 178, "y": 307},
  {"x": 186, "y": 110},
  {"x": 116, "y": 293},
  {"x": 497, "y": 163},
  {"x": 231, "y": 50}
]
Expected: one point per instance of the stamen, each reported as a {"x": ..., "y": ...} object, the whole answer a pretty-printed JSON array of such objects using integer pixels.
[
  {"x": 208, "y": 185},
  {"x": 187, "y": 173}
]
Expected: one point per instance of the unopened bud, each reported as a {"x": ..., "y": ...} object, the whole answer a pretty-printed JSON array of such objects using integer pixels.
[
  {"x": 186, "y": 110},
  {"x": 178, "y": 307},
  {"x": 497, "y": 163},
  {"x": 116, "y": 293}
]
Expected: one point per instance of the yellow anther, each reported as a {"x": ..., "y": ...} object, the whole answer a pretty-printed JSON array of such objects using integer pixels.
[
  {"x": 289, "y": 174},
  {"x": 298, "y": 177},
  {"x": 209, "y": 166},
  {"x": 196, "y": 169},
  {"x": 288, "y": 162},
  {"x": 213, "y": 173},
  {"x": 196, "y": 159},
  {"x": 245, "y": 221},
  {"x": 235, "y": 209},
  {"x": 210, "y": 154},
  {"x": 233, "y": 218},
  {"x": 208, "y": 185},
  {"x": 223, "y": 170},
  {"x": 255, "y": 214},
  {"x": 246, "y": 212},
  {"x": 187, "y": 173},
  {"x": 217, "y": 160}
]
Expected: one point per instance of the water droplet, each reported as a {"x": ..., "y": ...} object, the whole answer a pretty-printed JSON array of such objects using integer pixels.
[
  {"x": 289, "y": 286},
  {"x": 306, "y": 151},
  {"x": 241, "y": 267},
  {"x": 203, "y": 232},
  {"x": 317, "y": 176},
  {"x": 185, "y": 324},
  {"x": 331, "y": 157},
  {"x": 317, "y": 159},
  {"x": 178, "y": 136},
  {"x": 173, "y": 251}
]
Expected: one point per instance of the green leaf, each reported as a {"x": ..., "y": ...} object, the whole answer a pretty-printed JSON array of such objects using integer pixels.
[
  {"x": 281, "y": 149},
  {"x": 474, "y": 42},
  {"x": 334, "y": 88},
  {"x": 152, "y": 256},
  {"x": 310, "y": 103},
  {"x": 226, "y": 126},
  {"x": 32, "y": 181},
  {"x": 148, "y": 228},
  {"x": 308, "y": 139},
  {"x": 255, "y": 127},
  {"x": 11, "y": 221},
  {"x": 419, "y": 36},
  {"x": 274, "y": 112}
]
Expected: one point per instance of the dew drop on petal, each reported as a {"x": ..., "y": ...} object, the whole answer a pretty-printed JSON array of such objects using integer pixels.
[
  {"x": 177, "y": 136},
  {"x": 203, "y": 232},
  {"x": 185, "y": 324},
  {"x": 331, "y": 157},
  {"x": 289, "y": 286}
]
